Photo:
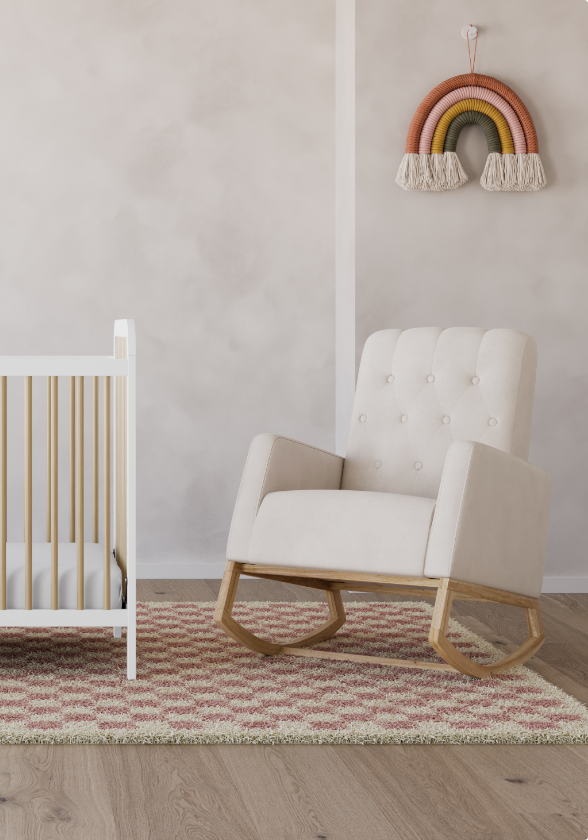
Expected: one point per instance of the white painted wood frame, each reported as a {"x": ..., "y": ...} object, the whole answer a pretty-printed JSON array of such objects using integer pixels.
[{"x": 80, "y": 366}]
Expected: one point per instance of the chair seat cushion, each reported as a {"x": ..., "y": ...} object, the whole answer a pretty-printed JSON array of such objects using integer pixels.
[{"x": 343, "y": 530}]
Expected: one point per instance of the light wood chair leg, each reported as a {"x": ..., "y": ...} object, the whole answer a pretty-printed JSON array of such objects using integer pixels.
[
  {"x": 224, "y": 619},
  {"x": 447, "y": 651}
]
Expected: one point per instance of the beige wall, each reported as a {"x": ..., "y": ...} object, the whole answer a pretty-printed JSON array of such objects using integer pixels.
[
  {"x": 470, "y": 257},
  {"x": 173, "y": 162}
]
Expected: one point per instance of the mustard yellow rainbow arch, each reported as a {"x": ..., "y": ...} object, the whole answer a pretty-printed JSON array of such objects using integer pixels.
[{"x": 506, "y": 140}]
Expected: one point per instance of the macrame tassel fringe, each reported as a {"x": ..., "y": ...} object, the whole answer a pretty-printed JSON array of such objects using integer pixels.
[
  {"x": 523, "y": 173},
  {"x": 493, "y": 176},
  {"x": 510, "y": 173},
  {"x": 431, "y": 172},
  {"x": 536, "y": 179},
  {"x": 438, "y": 172},
  {"x": 410, "y": 173},
  {"x": 427, "y": 177},
  {"x": 455, "y": 175}
]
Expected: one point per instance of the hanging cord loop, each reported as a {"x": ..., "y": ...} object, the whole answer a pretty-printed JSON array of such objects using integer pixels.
[{"x": 472, "y": 65}]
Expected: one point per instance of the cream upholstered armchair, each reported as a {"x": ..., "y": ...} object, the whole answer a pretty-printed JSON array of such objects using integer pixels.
[{"x": 435, "y": 496}]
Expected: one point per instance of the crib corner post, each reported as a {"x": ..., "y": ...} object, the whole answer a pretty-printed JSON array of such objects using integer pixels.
[
  {"x": 132, "y": 646},
  {"x": 131, "y": 507}
]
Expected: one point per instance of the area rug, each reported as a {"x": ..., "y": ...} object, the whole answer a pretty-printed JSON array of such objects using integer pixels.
[{"x": 197, "y": 686}]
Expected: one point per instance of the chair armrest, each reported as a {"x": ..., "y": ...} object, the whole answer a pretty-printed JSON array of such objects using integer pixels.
[
  {"x": 277, "y": 463},
  {"x": 490, "y": 523}
]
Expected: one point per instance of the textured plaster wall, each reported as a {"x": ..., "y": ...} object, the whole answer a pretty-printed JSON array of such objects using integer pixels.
[
  {"x": 473, "y": 258},
  {"x": 174, "y": 162}
]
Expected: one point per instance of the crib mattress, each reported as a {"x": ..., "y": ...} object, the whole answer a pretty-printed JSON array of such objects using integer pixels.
[{"x": 67, "y": 576}]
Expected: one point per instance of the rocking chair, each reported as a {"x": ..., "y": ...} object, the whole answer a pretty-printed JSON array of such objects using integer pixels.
[{"x": 434, "y": 498}]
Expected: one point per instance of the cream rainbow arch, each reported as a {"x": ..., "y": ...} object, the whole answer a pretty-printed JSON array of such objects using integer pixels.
[{"x": 431, "y": 161}]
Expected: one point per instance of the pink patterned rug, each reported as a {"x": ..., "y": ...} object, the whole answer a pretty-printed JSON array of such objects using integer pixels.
[{"x": 195, "y": 685}]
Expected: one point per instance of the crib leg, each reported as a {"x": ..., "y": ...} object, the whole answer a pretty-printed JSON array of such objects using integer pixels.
[
  {"x": 132, "y": 650},
  {"x": 117, "y": 632}
]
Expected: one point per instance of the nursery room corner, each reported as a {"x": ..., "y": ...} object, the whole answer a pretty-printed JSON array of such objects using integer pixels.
[{"x": 293, "y": 397}]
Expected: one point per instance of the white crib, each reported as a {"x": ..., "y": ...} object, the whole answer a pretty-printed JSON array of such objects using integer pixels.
[{"x": 62, "y": 584}]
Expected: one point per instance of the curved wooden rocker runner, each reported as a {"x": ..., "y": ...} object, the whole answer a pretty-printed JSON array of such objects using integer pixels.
[
  {"x": 444, "y": 590},
  {"x": 431, "y": 162}
]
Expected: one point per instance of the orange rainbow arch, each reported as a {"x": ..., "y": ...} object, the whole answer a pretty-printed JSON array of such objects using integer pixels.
[{"x": 430, "y": 161}]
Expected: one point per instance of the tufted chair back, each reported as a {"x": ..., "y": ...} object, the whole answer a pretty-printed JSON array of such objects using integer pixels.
[{"x": 420, "y": 390}]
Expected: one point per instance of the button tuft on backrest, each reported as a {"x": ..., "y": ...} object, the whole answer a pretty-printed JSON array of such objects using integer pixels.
[{"x": 501, "y": 361}]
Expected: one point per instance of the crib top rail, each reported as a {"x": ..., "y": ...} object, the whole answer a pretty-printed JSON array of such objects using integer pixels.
[
  {"x": 63, "y": 366},
  {"x": 76, "y": 365}
]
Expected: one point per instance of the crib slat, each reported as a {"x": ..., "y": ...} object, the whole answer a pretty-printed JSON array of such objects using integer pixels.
[
  {"x": 72, "y": 459},
  {"x": 28, "y": 490},
  {"x": 3, "y": 489},
  {"x": 80, "y": 489},
  {"x": 48, "y": 530},
  {"x": 95, "y": 459},
  {"x": 54, "y": 465},
  {"x": 106, "y": 479}
]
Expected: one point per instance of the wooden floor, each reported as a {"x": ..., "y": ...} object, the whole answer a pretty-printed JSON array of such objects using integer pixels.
[{"x": 339, "y": 792}]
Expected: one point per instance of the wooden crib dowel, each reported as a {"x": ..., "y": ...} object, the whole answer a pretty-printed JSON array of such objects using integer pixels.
[
  {"x": 54, "y": 475},
  {"x": 48, "y": 528},
  {"x": 106, "y": 512},
  {"x": 72, "y": 459},
  {"x": 80, "y": 490},
  {"x": 95, "y": 460},
  {"x": 28, "y": 490},
  {"x": 3, "y": 489}
]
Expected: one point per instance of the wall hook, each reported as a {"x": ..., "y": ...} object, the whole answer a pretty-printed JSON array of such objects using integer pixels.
[{"x": 472, "y": 32}]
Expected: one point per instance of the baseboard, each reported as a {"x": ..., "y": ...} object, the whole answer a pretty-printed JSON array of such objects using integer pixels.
[
  {"x": 214, "y": 571},
  {"x": 562, "y": 585}
]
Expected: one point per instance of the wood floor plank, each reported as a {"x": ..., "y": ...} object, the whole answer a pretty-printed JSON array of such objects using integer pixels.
[
  {"x": 572, "y": 610},
  {"x": 304, "y": 593},
  {"x": 250, "y": 589},
  {"x": 580, "y": 751},
  {"x": 428, "y": 789},
  {"x": 554, "y": 827},
  {"x": 180, "y": 791},
  {"x": 121, "y": 771},
  {"x": 299, "y": 791},
  {"x": 50, "y": 793},
  {"x": 533, "y": 779},
  {"x": 174, "y": 590}
]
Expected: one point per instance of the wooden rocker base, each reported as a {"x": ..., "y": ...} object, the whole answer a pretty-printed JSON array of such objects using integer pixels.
[{"x": 444, "y": 590}]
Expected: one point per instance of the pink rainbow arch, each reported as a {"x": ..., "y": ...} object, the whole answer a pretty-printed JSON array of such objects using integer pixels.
[{"x": 486, "y": 95}]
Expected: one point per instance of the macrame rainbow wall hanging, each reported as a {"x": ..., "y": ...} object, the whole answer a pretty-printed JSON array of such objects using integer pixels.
[{"x": 431, "y": 162}]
